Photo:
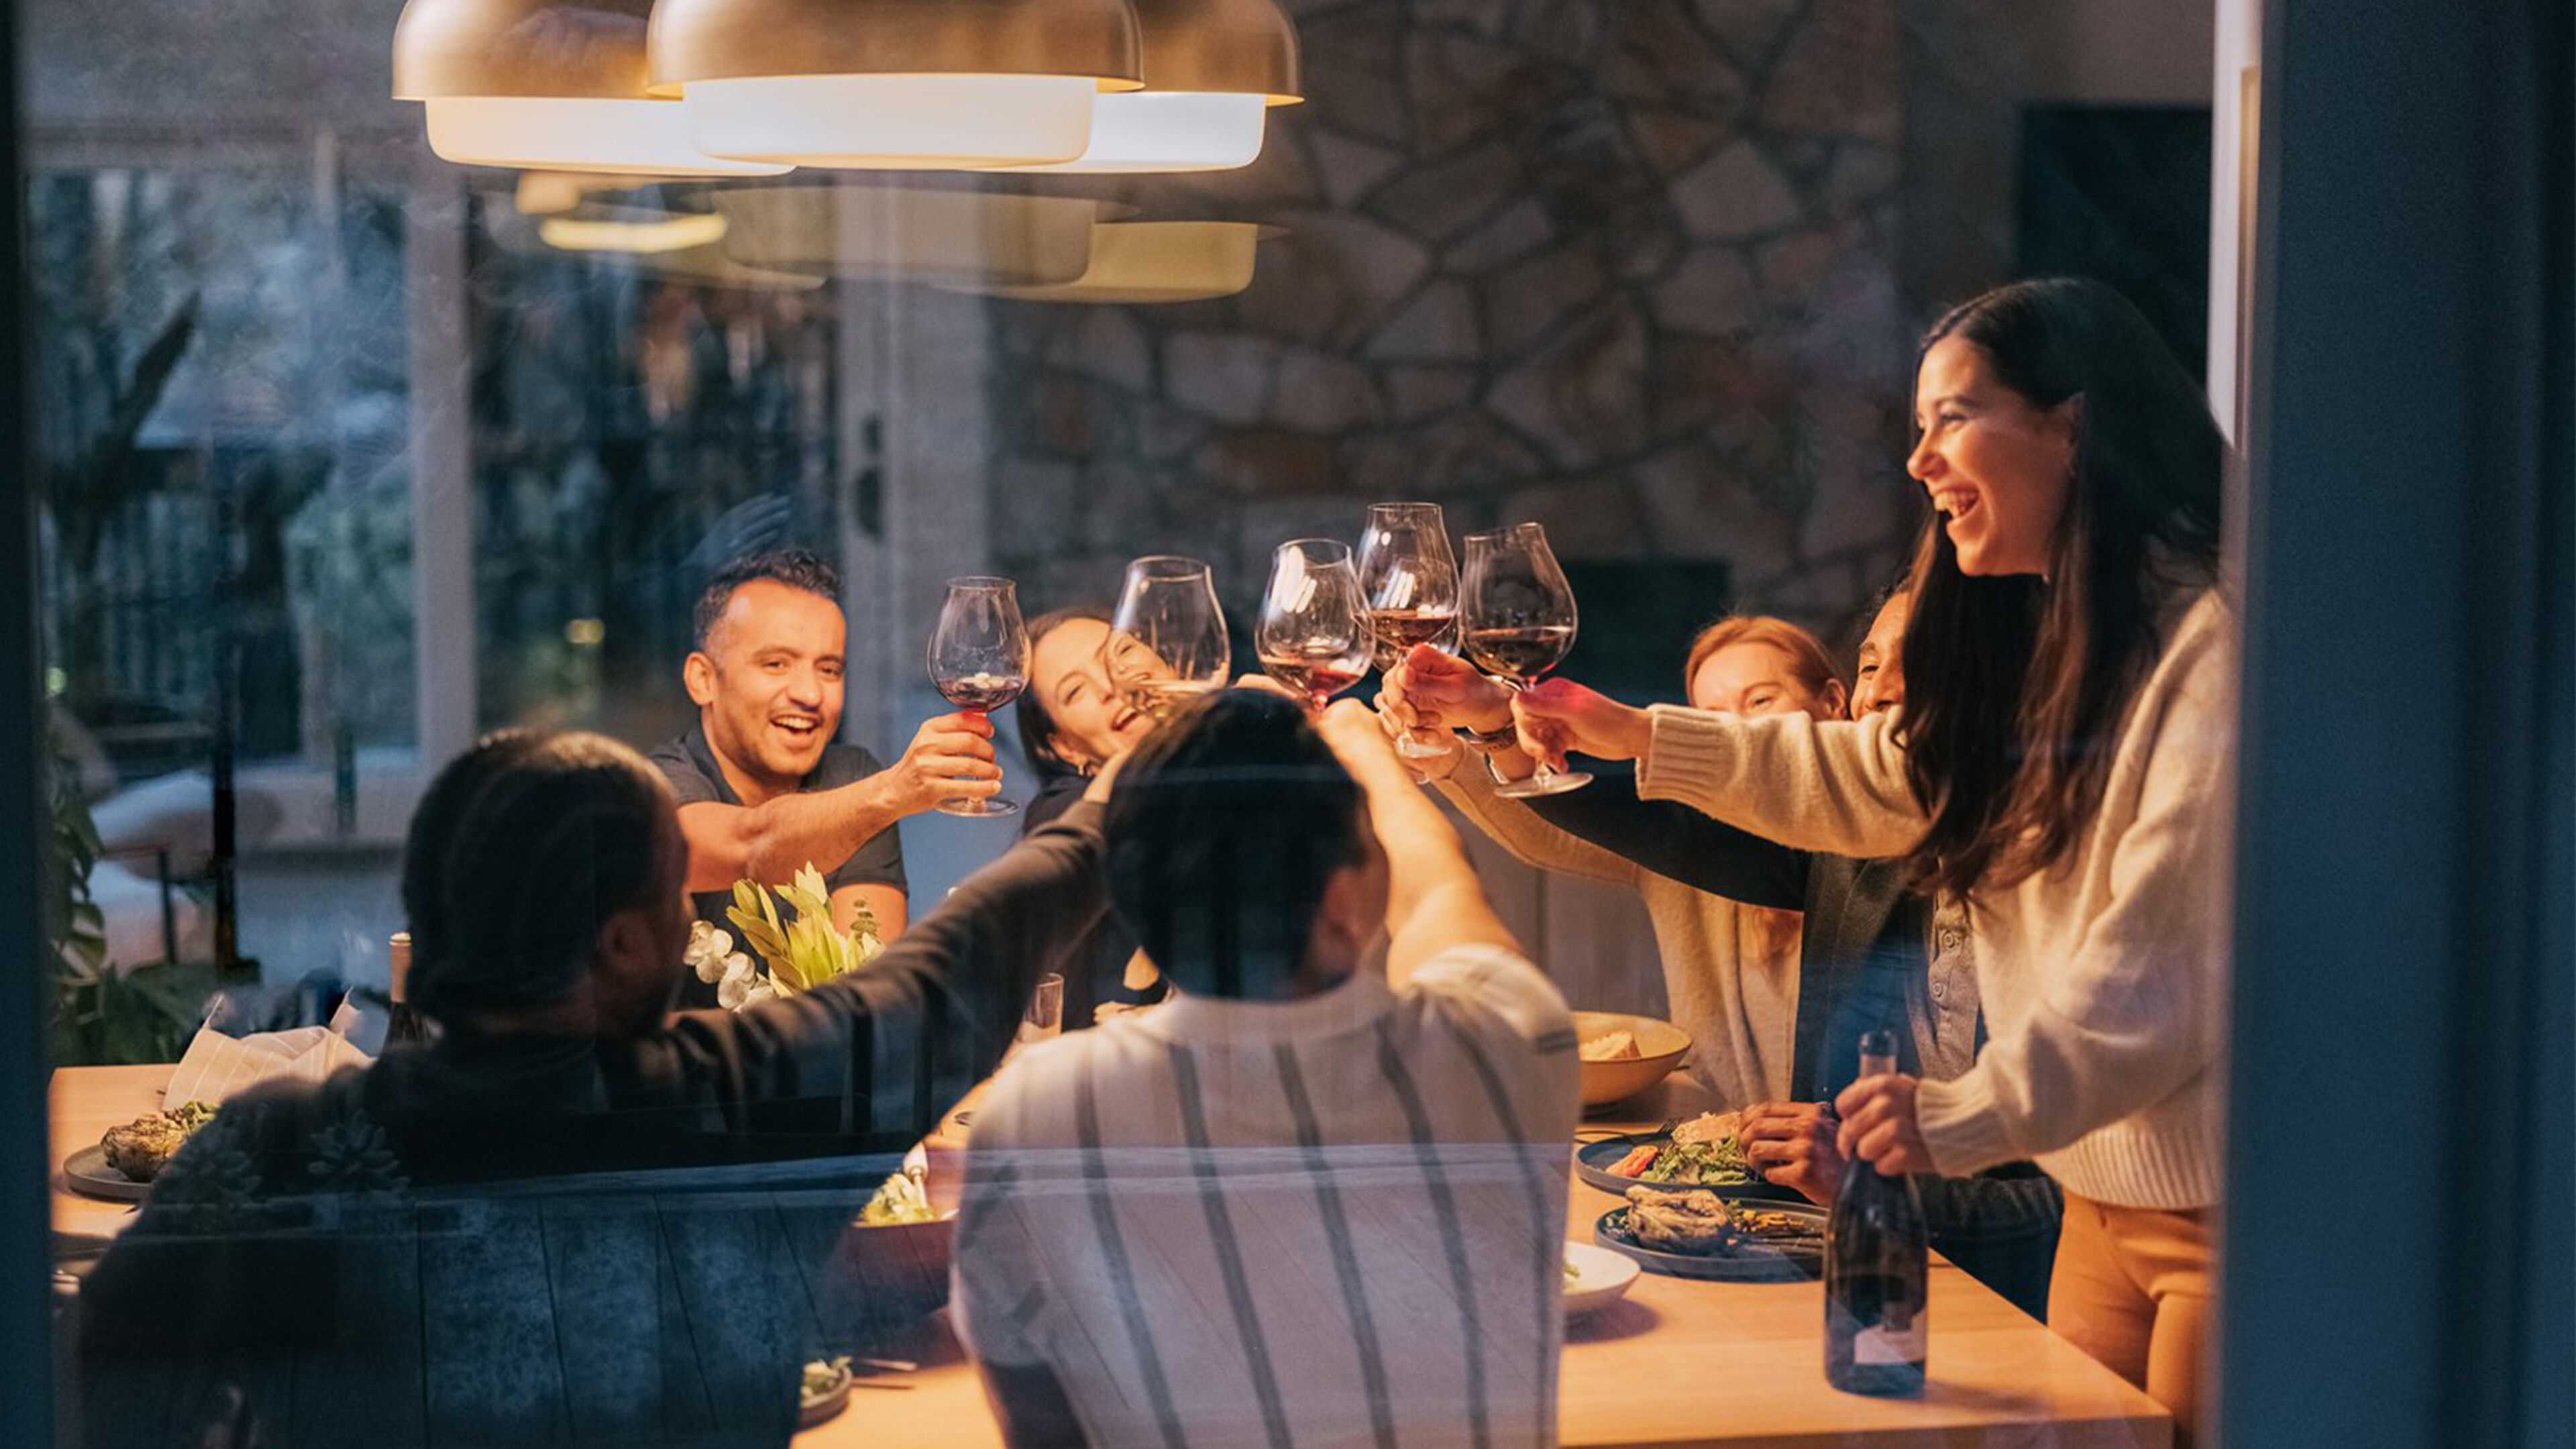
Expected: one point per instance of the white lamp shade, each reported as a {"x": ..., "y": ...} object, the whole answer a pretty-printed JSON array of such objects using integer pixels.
[
  {"x": 576, "y": 133},
  {"x": 893, "y": 122},
  {"x": 1143, "y": 131},
  {"x": 633, "y": 232}
]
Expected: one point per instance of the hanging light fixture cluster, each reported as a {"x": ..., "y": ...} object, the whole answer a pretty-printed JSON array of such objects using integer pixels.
[{"x": 755, "y": 87}]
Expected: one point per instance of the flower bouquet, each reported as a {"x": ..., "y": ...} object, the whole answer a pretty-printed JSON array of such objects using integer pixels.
[{"x": 798, "y": 953}]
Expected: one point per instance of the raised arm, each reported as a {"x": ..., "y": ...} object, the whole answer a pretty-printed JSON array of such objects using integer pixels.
[
  {"x": 949, "y": 757},
  {"x": 874, "y": 1058},
  {"x": 1434, "y": 900},
  {"x": 1833, "y": 786}
]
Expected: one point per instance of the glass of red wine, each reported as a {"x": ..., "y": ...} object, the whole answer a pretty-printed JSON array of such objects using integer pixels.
[
  {"x": 1518, "y": 613},
  {"x": 1411, "y": 582},
  {"x": 1314, "y": 635},
  {"x": 979, "y": 658}
]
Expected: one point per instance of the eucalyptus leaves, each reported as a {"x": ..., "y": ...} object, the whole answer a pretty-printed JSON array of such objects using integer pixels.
[{"x": 799, "y": 953}]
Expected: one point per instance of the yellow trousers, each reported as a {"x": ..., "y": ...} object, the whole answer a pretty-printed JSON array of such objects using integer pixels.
[{"x": 2132, "y": 1288}]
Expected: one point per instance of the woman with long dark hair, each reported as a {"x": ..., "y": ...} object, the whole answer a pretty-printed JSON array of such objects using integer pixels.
[{"x": 2063, "y": 765}]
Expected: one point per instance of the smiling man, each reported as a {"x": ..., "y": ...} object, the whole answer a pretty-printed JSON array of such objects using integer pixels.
[{"x": 763, "y": 787}]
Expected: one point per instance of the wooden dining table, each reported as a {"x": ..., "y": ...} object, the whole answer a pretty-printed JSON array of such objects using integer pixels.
[{"x": 1675, "y": 1362}]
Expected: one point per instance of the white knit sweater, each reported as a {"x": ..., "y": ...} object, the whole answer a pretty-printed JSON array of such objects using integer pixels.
[
  {"x": 2103, "y": 980},
  {"x": 1730, "y": 970}
]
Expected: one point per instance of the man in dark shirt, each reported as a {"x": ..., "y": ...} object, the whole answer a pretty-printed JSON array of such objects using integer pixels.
[
  {"x": 764, "y": 790},
  {"x": 552, "y": 1223}
]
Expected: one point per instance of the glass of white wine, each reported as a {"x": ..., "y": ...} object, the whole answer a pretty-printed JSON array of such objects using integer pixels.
[{"x": 1167, "y": 637}]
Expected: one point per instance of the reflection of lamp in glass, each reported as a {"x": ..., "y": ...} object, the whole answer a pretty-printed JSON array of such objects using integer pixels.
[
  {"x": 1212, "y": 70},
  {"x": 962, "y": 239},
  {"x": 903, "y": 84},
  {"x": 1154, "y": 261},
  {"x": 633, "y": 231},
  {"x": 534, "y": 83}
]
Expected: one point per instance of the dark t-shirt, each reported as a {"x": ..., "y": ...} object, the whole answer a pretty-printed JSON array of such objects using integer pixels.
[{"x": 690, "y": 765}]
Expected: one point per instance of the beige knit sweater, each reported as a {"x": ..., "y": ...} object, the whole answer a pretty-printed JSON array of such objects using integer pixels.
[
  {"x": 1730, "y": 970},
  {"x": 2103, "y": 980}
]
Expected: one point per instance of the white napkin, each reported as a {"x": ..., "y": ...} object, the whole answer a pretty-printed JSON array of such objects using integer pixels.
[{"x": 216, "y": 1066}]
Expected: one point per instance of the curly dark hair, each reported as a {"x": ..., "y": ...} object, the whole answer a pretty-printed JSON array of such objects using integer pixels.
[{"x": 797, "y": 568}]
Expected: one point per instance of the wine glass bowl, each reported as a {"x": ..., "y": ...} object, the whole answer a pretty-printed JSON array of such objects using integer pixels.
[
  {"x": 1518, "y": 617},
  {"x": 979, "y": 659},
  {"x": 1167, "y": 637},
  {"x": 1314, "y": 634},
  {"x": 1410, "y": 581}
]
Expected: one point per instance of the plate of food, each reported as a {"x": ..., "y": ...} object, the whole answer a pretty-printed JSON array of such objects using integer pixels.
[
  {"x": 825, "y": 1390},
  {"x": 1621, "y": 1055},
  {"x": 1595, "y": 1278},
  {"x": 1705, "y": 1151},
  {"x": 121, "y": 1167},
  {"x": 1698, "y": 1234}
]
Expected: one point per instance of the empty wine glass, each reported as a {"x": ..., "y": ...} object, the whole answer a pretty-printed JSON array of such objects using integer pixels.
[
  {"x": 1314, "y": 635},
  {"x": 1167, "y": 637},
  {"x": 1518, "y": 612},
  {"x": 1411, "y": 582},
  {"x": 979, "y": 658}
]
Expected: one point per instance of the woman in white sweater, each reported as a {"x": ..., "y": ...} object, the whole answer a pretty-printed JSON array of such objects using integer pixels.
[{"x": 2064, "y": 765}]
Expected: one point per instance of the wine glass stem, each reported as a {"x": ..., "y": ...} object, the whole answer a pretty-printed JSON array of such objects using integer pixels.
[{"x": 1539, "y": 770}]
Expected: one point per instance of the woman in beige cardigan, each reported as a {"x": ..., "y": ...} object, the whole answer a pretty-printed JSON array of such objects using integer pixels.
[
  {"x": 1730, "y": 969},
  {"x": 2064, "y": 765}
]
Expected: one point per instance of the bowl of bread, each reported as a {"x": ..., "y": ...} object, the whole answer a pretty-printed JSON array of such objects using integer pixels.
[{"x": 1624, "y": 1055}]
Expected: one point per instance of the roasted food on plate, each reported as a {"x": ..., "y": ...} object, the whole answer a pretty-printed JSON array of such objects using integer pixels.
[
  {"x": 142, "y": 1147},
  {"x": 1681, "y": 1222}
]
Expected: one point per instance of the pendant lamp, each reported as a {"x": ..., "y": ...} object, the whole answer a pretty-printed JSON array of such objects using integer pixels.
[
  {"x": 1212, "y": 70},
  {"x": 967, "y": 240},
  {"x": 1136, "y": 262},
  {"x": 533, "y": 83},
  {"x": 894, "y": 84}
]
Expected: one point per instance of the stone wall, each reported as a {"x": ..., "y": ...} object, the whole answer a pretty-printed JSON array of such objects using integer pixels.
[{"x": 1626, "y": 267}]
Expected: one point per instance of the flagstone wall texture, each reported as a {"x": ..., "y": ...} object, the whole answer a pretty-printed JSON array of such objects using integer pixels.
[{"x": 1627, "y": 267}]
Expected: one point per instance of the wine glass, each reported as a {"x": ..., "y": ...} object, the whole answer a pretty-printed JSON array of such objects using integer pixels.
[
  {"x": 1314, "y": 635},
  {"x": 979, "y": 658},
  {"x": 1519, "y": 616},
  {"x": 1411, "y": 582},
  {"x": 1167, "y": 637}
]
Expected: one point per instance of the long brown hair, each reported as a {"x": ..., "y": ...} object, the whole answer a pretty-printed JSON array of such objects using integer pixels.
[
  {"x": 2014, "y": 685},
  {"x": 1038, "y": 734}
]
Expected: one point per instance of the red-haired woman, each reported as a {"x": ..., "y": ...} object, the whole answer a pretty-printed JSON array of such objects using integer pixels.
[{"x": 1730, "y": 967}]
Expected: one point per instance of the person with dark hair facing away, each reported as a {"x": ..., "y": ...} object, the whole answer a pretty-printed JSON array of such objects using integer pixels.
[
  {"x": 765, "y": 788},
  {"x": 294, "y": 1245},
  {"x": 1309, "y": 1193},
  {"x": 2064, "y": 768}
]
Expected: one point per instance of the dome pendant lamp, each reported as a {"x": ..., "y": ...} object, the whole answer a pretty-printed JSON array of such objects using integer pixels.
[
  {"x": 1212, "y": 70},
  {"x": 892, "y": 84},
  {"x": 541, "y": 84}
]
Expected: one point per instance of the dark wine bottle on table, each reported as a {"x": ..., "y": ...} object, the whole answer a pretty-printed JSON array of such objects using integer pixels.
[{"x": 1877, "y": 1289}]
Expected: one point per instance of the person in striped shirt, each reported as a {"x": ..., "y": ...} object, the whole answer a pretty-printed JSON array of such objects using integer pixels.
[{"x": 1319, "y": 1195}]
